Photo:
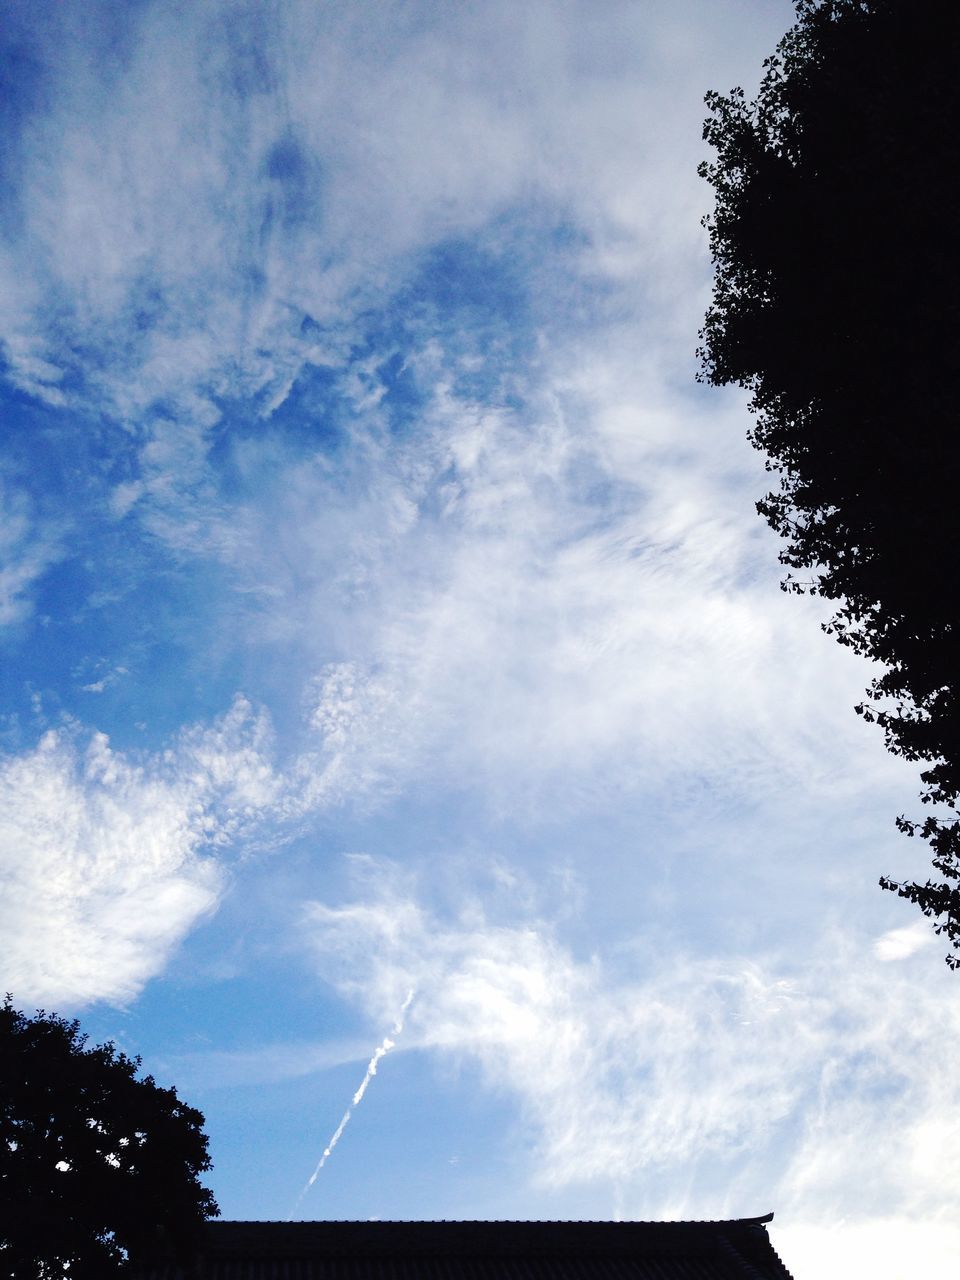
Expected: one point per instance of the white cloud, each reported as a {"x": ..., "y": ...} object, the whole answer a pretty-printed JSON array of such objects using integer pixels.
[
  {"x": 611, "y": 1079},
  {"x": 492, "y": 615},
  {"x": 28, "y": 546},
  {"x": 576, "y": 598},
  {"x": 898, "y": 944},
  {"x": 336, "y": 144},
  {"x": 105, "y": 861},
  {"x": 748, "y": 1082}
]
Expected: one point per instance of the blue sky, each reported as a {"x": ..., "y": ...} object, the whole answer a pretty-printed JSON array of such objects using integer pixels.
[{"x": 383, "y": 609}]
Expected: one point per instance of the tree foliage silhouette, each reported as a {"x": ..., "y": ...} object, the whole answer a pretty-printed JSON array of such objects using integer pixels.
[
  {"x": 835, "y": 304},
  {"x": 98, "y": 1169}
]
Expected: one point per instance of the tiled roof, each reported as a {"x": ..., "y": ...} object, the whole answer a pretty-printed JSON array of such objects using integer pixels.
[{"x": 735, "y": 1250}]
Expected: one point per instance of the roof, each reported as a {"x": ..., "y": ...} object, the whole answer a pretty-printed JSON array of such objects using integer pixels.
[{"x": 733, "y": 1250}]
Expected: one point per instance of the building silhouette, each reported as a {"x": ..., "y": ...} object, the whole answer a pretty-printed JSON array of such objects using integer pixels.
[{"x": 734, "y": 1250}]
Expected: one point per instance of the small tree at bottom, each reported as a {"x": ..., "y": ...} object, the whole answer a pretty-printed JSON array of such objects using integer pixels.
[{"x": 98, "y": 1169}]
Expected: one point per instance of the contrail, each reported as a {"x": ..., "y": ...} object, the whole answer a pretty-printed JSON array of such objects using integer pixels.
[{"x": 381, "y": 1051}]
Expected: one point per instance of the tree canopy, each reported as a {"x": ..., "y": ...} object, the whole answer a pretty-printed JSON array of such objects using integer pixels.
[
  {"x": 835, "y": 303},
  {"x": 97, "y": 1167}
]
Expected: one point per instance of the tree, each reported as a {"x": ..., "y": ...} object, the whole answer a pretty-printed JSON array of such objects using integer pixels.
[
  {"x": 835, "y": 303},
  {"x": 97, "y": 1167}
]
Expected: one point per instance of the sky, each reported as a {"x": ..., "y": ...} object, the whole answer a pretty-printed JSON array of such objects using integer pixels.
[{"x": 401, "y": 718}]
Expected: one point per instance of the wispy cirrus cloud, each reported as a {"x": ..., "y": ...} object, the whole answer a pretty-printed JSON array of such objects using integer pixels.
[
  {"x": 29, "y": 545},
  {"x": 573, "y": 591},
  {"x": 161, "y": 270},
  {"x": 524, "y": 519},
  {"x": 106, "y": 859},
  {"x": 746, "y": 1081}
]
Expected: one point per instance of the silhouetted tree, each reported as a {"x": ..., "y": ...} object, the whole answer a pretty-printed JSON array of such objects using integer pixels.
[
  {"x": 835, "y": 303},
  {"x": 97, "y": 1167}
]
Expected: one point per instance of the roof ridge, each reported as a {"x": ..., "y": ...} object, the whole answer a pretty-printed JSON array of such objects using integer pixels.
[
  {"x": 760, "y": 1220},
  {"x": 482, "y": 1249}
]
